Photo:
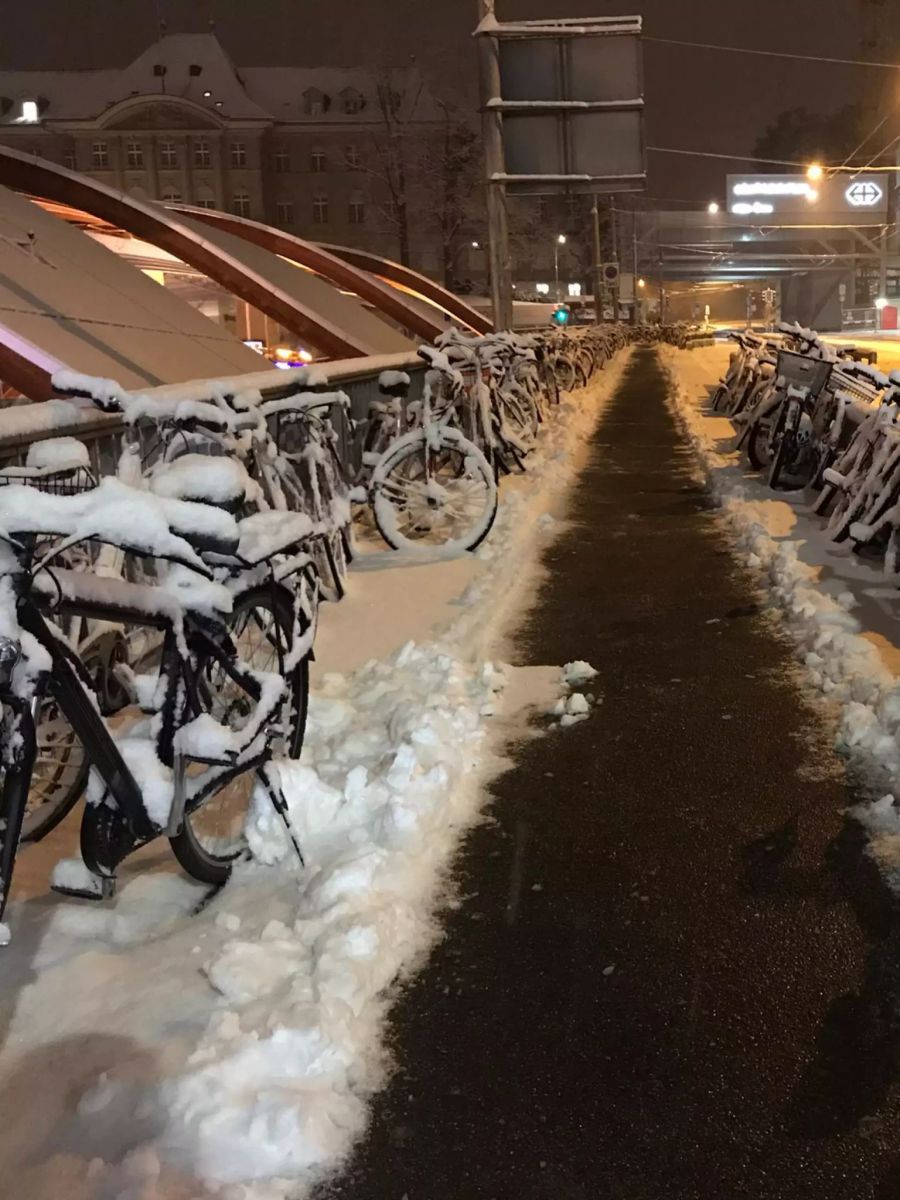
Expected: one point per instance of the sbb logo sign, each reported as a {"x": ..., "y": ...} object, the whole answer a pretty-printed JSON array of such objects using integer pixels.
[{"x": 863, "y": 195}]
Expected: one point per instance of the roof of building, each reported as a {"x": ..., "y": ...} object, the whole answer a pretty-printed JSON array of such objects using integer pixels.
[{"x": 196, "y": 68}]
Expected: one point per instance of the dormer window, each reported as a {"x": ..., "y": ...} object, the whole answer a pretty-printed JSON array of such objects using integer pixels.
[
  {"x": 352, "y": 101},
  {"x": 315, "y": 103},
  {"x": 29, "y": 115}
]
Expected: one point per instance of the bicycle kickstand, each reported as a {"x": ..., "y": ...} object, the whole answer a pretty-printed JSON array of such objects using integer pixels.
[{"x": 276, "y": 795}]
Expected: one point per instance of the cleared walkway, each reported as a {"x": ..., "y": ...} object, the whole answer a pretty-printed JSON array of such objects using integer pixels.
[{"x": 674, "y": 972}]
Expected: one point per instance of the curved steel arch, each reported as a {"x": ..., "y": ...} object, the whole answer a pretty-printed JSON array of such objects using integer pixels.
[
  {"x": 153, "y": 223},
  {"x": 334, "y": 268},
  {"x": 405, "y": 277}
]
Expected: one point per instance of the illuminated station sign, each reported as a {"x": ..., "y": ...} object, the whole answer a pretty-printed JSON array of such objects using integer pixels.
[{"x": 841, "y": 199}]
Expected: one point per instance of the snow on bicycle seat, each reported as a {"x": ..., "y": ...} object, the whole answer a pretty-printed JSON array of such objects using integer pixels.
[
  {"x": 207, "y": 479},
  {"x": 123, "y": 516},
  {"x": 265, "y": 534}
]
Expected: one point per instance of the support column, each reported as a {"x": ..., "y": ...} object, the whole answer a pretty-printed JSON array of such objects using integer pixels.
[
  {"x": 497, "y": 217},
  {"x": 597, "y": 259}
]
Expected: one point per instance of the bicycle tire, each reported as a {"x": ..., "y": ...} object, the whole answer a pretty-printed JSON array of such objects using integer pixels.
[
  {"x": 758, "y": 461},
  {"x": 409, "y": 448},
  {"x": 196, "y": 855}
]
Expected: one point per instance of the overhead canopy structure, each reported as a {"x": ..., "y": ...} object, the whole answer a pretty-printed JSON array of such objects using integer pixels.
[
  {"x": 341, "y": 329},
  {"x": 417, "y": 285},
  {"x": 66, "y": 301},
  {"x": 423, "y": 320},
  {"x": 338, "y": 310}
]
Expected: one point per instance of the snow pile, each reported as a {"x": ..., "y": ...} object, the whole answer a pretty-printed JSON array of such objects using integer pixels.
[
  {"x": 839, "y": 661},
  {"x": 574, "y": 706},
  {"x": 278, "y": 1084}
]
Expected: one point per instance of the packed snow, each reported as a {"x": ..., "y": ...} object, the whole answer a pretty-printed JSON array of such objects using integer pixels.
[
  {"x": 838, "y": 609},
  {"x": 233, "y": 1051}
]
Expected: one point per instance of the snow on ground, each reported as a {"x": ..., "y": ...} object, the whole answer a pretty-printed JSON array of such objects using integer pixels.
[
  {"x": 155, "y": 1053},
  {"x": 840, "y": 610}
]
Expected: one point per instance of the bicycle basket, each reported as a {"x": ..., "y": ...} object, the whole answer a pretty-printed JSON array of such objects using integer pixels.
[
  {"x": 58, "y": 481},
  {"x": 797, "y": 369}
]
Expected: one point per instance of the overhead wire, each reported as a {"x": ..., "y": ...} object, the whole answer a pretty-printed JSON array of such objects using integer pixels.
[{"x": 816, "y": 58}]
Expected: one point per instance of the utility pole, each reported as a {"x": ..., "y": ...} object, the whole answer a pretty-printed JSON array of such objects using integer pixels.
[
  {"x": 494, "y": 162},
  {"x": 634, "y": 268},
  {"x": 597, "y": 257},
  {"x": 662, "y": 294},
  {"x": 614, "y": 230}
]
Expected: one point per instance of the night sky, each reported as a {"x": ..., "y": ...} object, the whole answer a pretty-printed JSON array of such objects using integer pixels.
[{"x": 696, "y": 99}]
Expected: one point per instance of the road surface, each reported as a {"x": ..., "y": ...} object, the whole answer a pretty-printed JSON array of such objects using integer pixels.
[{"x": 673, "y": 971}]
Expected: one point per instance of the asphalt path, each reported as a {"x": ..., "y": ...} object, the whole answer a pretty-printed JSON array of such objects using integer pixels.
[{"x": 673, "y": 971}]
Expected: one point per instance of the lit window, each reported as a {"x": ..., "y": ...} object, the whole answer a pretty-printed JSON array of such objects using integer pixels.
[
  {"x": 168, "y": 154},
  {"x": 134, "y": 154},
  {"x": 542, "y": 289},
  {"x": 320, "y": 210},
  {"x": 318, "y": 162},
  {"x": 284, "y": 212},
  {"x": 171, "y": 197},
  {"x": 30, "y": 114},
  {"x": 100, "y": 156},
  {"x": 282, "y": 161},
  {"x": 356, "y": 212},
  {"x": 238, "y": 154},
  {"x": 240, "y": 204},
  {"x": 352, "y": 158},
  {"x": 201, "y": 154},
  {"x": 574, "y": 289}
]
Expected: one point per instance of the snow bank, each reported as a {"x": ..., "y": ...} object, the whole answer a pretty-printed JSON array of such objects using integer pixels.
[
  {"x": 840, "y": 663},
  {"x": 386, "y": 787}
]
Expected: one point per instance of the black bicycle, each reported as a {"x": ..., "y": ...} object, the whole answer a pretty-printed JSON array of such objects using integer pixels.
[{"x": 234, "y": 615}]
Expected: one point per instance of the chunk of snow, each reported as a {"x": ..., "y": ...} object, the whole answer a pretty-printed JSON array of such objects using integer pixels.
[{"x": 577, "y": 672}]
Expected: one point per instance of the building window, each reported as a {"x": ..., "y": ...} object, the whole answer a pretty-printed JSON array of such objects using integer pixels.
[
  {"x": 282, "y": 161},
  {"x": 171, "y": 197},
  {"x": 356, "y": 211},
  {"x": 315, "y": 103},
  {"x": 100, "y": 156},
  {"x": 352, "y": 158},
  {"x": 320, "y": 210},
  {"x": 206, "y": 201},
  {"x": 69, "y": 161},
  {"x": 240, "y": 204},
  {"x": 168, "y": 155},
  {"x": 284, "y": 212},
  {"x": 352, "y": 101},
  {"x": 29, "y": 114},
  {"x": 201, "y": 154},
  {"x": 134, "y": 154},
  {"x": 318, "y": 162},
  {"x": 238, "y": 154}
]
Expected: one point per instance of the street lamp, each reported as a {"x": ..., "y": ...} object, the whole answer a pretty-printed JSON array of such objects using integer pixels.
[
  {"x": 476, "y": 245},
  {"x": 642, "y": 283},
  {"x": 815, "y": 172},
  {"x": 560, "y": 241},
  {"x": 712, "y": 207}
]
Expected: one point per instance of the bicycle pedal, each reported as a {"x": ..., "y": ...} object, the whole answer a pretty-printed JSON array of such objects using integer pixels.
[{"x": 105, "y": 890}]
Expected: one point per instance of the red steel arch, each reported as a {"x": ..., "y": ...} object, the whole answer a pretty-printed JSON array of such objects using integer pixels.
[
  {"x": 153, "y": 223},
  {"x": 405, "y": 277},
  {"x": 335, "y": 269}
]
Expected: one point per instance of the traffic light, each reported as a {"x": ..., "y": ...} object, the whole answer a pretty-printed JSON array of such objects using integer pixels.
[{"x": 560, "y": 315}]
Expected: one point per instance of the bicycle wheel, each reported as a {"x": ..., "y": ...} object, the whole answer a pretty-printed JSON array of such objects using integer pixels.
[
  {"x": 59, "y": 775},
  {"x": 212, "y": 835},
  {"x": 434, "y": 489}
]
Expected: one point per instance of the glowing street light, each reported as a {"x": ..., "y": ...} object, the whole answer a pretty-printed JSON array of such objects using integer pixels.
[
  {"x": 712, "y": 207},
  {"x": 642, "y": 283},
  {"x": 476, "y": 245},
  {"x": 815, "y": 172},
  {"x": 560, "y": 241}
]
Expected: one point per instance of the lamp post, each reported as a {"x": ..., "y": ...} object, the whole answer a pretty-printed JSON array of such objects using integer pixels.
[{"x": 560, "y": 241}]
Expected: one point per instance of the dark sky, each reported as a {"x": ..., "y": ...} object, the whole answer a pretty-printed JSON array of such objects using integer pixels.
[{"x": 696, "y": 99}]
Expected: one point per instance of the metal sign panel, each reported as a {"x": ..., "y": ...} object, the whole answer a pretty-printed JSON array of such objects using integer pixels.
[
  {"x": 571, "y": 105},
  {"x": 842, "y": 199}
]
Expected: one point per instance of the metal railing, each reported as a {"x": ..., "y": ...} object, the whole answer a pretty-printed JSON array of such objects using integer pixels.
[{"x": 24, "y": 424}]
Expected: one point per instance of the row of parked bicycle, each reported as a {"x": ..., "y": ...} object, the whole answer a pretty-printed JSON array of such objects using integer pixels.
[
  {"x": 156, "y": 624},
  {"x": 813, "y": 415}
]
